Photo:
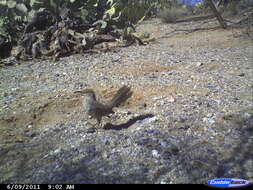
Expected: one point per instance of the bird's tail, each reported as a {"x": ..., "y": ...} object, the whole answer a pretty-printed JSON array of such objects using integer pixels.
[{"x": 121, "y": 96}]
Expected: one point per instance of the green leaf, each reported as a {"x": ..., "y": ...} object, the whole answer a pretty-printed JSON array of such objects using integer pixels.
[
  {"x": 22, "y": 8},
  {"x": 110, "y": 12},
  {"x": 18, "y": 18},
  {"x": 139, "y": 21},
  {"x": 32, "y": 2},
  {"x": 84, "y": 13},
  {"x": 11, "y": 4},
  {"x": 117, "y": 18},
  {"x": 129, "y": 30},
  {"x": 31, "y": 14},
  {"x": 3, "y": 2},
  {"x": 110, "y": 2}
]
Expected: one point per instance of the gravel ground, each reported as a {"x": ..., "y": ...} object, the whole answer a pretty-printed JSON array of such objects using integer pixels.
[{"x": 190, "y": 118}]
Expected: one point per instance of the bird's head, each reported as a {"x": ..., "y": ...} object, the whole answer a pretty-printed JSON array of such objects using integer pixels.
[{"x": 87, "y": 92}]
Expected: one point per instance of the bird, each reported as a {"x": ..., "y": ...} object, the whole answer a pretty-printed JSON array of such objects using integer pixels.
[{"x": 97, "y": 109}]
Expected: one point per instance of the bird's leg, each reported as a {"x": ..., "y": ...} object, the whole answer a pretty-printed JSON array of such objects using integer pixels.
[{"x": 99, "y": 121}]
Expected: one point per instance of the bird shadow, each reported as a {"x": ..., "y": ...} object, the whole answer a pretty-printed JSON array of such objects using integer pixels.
[{"x": 126, "y": 125}]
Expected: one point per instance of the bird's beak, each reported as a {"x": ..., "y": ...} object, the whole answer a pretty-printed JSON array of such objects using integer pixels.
[{"x": 82, "y": 91}]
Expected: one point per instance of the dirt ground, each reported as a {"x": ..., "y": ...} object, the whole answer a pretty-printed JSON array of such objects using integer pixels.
[
  {"x": 172, "y": 77},
  {"x": 48, "y": 108}
]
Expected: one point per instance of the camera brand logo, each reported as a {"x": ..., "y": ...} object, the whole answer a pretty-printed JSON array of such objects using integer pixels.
[{"x": 228, "y": 182}]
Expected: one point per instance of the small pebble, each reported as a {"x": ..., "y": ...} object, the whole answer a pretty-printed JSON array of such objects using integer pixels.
[{"x": 155, "y": 153}]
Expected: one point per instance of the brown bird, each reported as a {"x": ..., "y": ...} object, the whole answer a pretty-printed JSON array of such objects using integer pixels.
[{"x": 97, "y": 109}]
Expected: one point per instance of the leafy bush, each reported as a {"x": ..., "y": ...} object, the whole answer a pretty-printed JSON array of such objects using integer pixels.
[
  {"x": 235, "y": 7},
  {"x": 14, "y": 15},
  {"x": 171, "y": 15},
  {"x": 21, "y": 17},
  {"x": 200, "y": 8},
  {"x": 231, "y": 9}
]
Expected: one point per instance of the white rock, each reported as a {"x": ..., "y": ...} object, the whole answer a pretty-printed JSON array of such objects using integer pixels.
[
  {"x": 171, "y": 99},
  {"x": 57, "y": 151},
  {"x": 152, "y": 119},
  {"x": 29, "y": 126},
  {"x": 198, "y": 64},
  {"x": 155, "y": 153}
]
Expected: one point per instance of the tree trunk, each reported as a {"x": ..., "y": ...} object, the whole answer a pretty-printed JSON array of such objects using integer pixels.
[{"x": 217, "y": 14}]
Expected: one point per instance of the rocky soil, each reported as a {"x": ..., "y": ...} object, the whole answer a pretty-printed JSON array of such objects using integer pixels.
[{"x": 190, "y": 118}]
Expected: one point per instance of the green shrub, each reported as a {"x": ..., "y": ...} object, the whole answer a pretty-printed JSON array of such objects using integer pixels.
[
  {"x": 231, "y": 9},
  {"x": 171, "y": 15},
  {"x": 236, "y": 7}
]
